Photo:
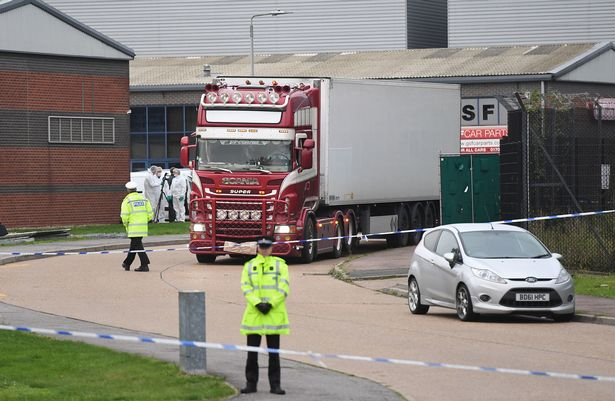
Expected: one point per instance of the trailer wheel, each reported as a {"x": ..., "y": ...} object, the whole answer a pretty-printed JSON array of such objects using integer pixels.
[
  {"x": 351, "y": 242},
  {"x": 429, "y": 219},
  {"x": 399, "y": 240},
  {"x": 308, "y": 254},
  {"x": 416, "y": 221},
  {"x": 339, "y": 243},
  {"x": 205, "y": 258}
]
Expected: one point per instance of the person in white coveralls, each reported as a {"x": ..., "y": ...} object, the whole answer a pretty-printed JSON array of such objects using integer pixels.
[
  {"x": 151, "y": 186},
  {"x": 179, "y": 186}
]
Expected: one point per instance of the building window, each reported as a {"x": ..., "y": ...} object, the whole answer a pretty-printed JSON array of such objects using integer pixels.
[
  {"x": 156, "y": 132},
  {"x": 67, "y": 129}
]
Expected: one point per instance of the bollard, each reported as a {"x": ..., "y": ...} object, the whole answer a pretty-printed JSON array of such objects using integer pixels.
[{"x": 192, "y": 360}]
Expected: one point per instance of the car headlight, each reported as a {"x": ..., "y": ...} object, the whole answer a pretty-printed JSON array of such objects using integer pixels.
[
  {"x": 563, "y": 277},
  {"x": 221, "y": 214},
  {"x": 488, "y": 275},
  {"x": 233, "y": 214},
  {"x": 256, "y": 215},
  {"x": 198, "y": 227},
  {"x": 244, "y": 215},
  {"x": 282, "y": 230}
]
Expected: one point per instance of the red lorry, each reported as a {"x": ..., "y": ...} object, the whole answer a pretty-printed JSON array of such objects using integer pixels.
[{"x": 313, "y": 158}]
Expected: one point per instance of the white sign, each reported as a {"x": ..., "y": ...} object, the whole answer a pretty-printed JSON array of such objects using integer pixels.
[
  {"x": 483, "y": 111},
  {"x": 473, "y": 143}
]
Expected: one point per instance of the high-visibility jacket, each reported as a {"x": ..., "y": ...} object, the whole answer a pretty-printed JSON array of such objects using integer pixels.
[
  {"x": 265, "y": 279},
  {"x": 136, "y": 213}
]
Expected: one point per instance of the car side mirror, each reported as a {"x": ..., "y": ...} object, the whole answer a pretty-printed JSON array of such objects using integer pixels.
[
  {"x": 451, "y": 258},
  {"x": 557, "y": 256}
]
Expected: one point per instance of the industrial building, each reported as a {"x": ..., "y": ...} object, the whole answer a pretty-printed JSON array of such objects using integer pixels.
[
  {"x": 64, "y": 122},
  {"x": 167, "y": 87},
  {"x": 221, "y": 27}
]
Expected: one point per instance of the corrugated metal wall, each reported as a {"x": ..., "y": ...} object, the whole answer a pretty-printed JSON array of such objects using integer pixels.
[
  {"x": 506, "y": 22},
  {"x": 427, "y": 24},
  {"x": 201, "y": 27}
]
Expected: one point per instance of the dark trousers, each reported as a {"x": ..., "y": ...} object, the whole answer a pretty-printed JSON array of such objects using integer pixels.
[
  {"x": 273, "y": 341},
  {"x": 136, "y": 244}
]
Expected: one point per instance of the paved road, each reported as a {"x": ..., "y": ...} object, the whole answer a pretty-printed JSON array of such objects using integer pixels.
[{"x": 333, "y": 317}]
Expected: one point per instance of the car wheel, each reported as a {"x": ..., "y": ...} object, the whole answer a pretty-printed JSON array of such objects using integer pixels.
[
  {"x": 414, "y": 299},
  {"x": 563, "y": 318},
  {"x": 463, "y": 303},
  {"x": 205, "y": 258}
]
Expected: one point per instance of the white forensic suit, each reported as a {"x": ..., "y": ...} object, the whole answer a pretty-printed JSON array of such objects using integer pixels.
[
  {"x": 179, "y": 186},
  {"x": 151, "y": 190}
]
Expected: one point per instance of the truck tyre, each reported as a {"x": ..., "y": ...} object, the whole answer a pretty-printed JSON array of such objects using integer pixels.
[
  {"x": 308, "y": 254},
  {"x": 351, "y": 242},
  {"x": 399, "y": 240},
  {"x": 429, "y": 219},
  {"x": 338, "y": 244},
  {"x": 416, "y": 221},
  {"x": 205, "y": 258}
]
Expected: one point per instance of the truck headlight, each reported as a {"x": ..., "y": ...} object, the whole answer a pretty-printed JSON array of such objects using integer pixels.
[
  {"x": 224, "y": 97},
  {"x": 221, "y": 214},
  {"x": 488, "y": 275},
  {"x": 249, "y": 97},
  {"x": 563, "y": 277},
  {"x": 244, "y": 215},
  {"x": 256, "y": 215},
  {"x": 262, "y": 97},
  {"x": 284, "y": 229},
  {"x": 233, "y": 214},
  {"x": 274, "y": 97},
  {"x": 212, "y": 97},
  {"x": 198, "y": 227},
  {"x": 237, "y": 97}
]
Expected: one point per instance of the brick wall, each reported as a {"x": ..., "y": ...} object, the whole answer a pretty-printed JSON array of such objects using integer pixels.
[
  {"x": 165, "y": 98},
  {"x": 47, "y": 184}
]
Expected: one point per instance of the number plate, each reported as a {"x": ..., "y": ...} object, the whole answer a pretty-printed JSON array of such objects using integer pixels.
[{"x": 532, "y": 297}]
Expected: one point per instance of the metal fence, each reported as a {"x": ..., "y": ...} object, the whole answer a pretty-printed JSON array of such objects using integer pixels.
[{"x": 558, "y": 159}]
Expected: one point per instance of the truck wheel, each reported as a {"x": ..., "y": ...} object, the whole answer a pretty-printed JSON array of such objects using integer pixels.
[
  {"x": 416, "y": 221},
  {"x": 205, "y": 258},
  {"x": 339, "y": 243},
  {"x": 399, "y": 240},
  {"x": 351, "y": 242},
  {"x": 429, "y": 218},
  {"x": 308, "y": 254}
]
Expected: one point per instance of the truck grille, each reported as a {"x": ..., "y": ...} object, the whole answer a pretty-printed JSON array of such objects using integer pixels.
[
  {"x": 509, "y": 299},
  {"x": 240, "y": 219}
]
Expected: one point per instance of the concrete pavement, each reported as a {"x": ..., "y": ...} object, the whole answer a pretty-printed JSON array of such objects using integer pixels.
[
  {"x": 329, "y": 316},
  {"x": 303, "y": 382}
]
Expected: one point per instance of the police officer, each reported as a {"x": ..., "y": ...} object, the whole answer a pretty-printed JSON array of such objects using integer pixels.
[
  {"x": 136, "y": 213},
  {"x": 265, "y": 284}
]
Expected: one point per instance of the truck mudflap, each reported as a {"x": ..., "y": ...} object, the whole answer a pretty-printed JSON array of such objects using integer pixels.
[{"x": 236, "y": 220}]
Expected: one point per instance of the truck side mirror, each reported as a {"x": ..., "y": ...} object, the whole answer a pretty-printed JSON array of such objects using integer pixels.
[
  {"x": 184, "y": 153},
  {"x": 306, "y": 158},
  {"x": 309, "y": 144}
]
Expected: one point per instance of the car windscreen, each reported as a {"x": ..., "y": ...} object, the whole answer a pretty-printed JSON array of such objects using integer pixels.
[{"x": 499, "y": 244}]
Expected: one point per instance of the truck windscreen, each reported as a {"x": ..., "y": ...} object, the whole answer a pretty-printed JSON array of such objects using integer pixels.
[{"x": 244, "y": 155}]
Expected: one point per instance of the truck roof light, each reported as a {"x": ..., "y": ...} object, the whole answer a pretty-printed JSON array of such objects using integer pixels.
[
  {"x": 208, "y": 87},
  {"x": 286, "y": 89},
  {"x": 237, "y": 97},
  {"x": 248, "y": 82},
  {"x": 261, "y": 82},
  {"x": 249, "y": 97},
  {"x": 274, "y": 82},
  {"x": 224, "y": 97},
  {"x": 215, "y": 88},
  {"x": 277, "y": 88},
  {"x": 274, "y": 97},
  {"x": 262, "y": 97},
  {"x": 211, "y": 97}
]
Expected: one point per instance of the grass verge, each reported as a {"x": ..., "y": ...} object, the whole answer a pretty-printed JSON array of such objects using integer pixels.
[
  {"x": 595, "y": 285},
  {"x": 45, "y": 369}
]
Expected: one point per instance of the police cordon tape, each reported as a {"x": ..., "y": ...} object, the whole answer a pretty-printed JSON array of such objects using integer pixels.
[
  {"x": 313, "y": 355},
  {"x": 304, "y": 241}
]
